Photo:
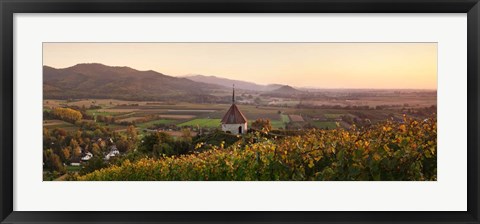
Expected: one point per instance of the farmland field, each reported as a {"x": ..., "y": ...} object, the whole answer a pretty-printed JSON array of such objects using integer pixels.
[
  {"x": 296, "y": 118},
  {"x": 114, "y": 127},
  {"x": 325, "y": 124},
  {"x": 209, "y": 123},
  {"x": 130, "y": 119},
  {"x": 51, "y": 124},
  {"x": 103, "y": 113},
  {"x": 48, "y": 123},
  {"x": 154, "y": 122},
  {"x": 116, "y": 110},
  {"x": 145, "y": 114},
  {"x": 276, "y": 124},
  {"x": 332, "y": 116},
  {"x": 176, "y": 116}
]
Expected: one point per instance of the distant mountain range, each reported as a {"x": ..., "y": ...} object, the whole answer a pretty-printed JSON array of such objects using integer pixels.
[
  {"x": 285, "y": 91},
  {"x": 101, "y": 81},
  {"x": 228, "y": 83}
]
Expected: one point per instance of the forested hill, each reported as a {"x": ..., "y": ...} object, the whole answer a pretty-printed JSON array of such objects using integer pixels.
[
  {"x": 102, "y": 81},
  {"x": 228, "y": 83}
]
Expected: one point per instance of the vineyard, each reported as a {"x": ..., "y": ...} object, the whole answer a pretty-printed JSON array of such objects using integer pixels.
[{"x": 385, "y": 151}]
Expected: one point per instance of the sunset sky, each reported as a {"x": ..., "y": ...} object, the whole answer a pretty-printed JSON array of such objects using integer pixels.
[{"x": 321, "y": 65}]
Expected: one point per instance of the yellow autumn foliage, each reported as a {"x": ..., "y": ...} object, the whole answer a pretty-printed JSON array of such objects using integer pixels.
[{"x": 387, "y": 151}]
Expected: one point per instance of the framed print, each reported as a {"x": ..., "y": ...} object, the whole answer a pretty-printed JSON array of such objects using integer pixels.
[{"x": 246, "y": 111}]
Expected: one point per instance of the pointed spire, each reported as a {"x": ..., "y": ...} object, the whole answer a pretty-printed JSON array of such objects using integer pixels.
[{"x": 233, "y": 96}]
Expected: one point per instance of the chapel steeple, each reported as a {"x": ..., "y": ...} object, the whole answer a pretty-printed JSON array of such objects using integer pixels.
[
  {"x": 233, "y": 95},
  {"x": 234, "y": 121}
]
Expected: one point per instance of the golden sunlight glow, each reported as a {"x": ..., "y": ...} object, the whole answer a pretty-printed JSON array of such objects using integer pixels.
[{"x": 321, "y": 65}]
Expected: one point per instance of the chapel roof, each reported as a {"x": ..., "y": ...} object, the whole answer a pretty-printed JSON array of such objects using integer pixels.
[{"x": 234, "y": 116}]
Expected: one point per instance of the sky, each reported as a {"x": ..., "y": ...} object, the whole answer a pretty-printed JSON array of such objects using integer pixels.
[{"x": 319, "y": 65}]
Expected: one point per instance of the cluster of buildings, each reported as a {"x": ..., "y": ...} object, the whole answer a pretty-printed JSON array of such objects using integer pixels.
[{"x": 112, "y": 152}]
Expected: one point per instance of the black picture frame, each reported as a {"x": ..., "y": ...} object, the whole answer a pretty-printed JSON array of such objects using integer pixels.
[{"x": 9, "y": 7}]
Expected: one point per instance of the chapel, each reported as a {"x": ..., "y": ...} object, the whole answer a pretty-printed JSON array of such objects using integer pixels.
[{"x": 234, "y": 121}]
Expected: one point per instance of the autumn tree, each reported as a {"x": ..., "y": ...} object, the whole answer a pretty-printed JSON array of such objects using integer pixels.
[
  {"x": 93, "y": 164},
  {"x": 67, "y": 114},
  {"x": 186, "y": 135},
  {"x": 76, "y": 151},
  {"x": 262, "y": 125},
  {"x": 160, "y": 143},
  {"x": 122, "y": 143},
  {"x": 52, "y": 161},
  {"x": 127, "y": 141},
  {"x": 66, "y": 154},
  {"x": 98, "y": 133},
  {"x": 132, "y": 134},
  {"x": 96, "y": 150}
]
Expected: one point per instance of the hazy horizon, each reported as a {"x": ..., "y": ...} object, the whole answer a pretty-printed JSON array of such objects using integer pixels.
[{"x": 301, "y": 65}]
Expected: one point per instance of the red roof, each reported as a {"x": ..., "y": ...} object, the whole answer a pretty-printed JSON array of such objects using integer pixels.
[{"x": 234, "y": 116}]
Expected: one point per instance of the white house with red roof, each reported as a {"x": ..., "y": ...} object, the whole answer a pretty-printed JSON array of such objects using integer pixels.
[{"x": 234, "y": 121}]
